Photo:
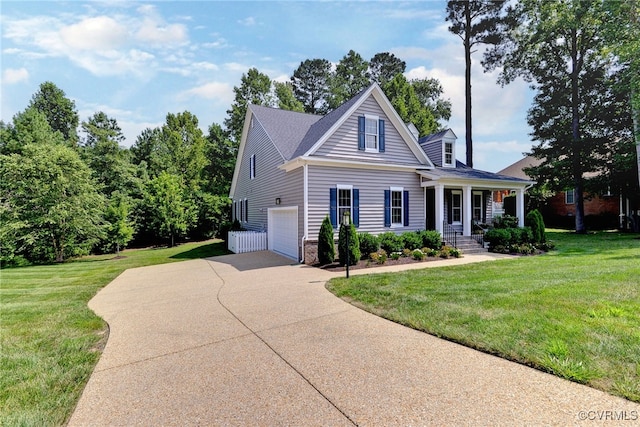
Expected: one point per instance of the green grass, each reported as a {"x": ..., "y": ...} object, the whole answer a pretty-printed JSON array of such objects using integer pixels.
[
  {"x": 49, "y": 339},
  {"x": 574, "y": 312}
]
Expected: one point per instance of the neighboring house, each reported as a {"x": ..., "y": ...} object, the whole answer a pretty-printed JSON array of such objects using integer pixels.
[
  {"x": 601, "y": 211},
  {"x": 294, "y": 169}
]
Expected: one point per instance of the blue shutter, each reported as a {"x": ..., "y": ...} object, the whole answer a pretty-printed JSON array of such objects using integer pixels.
[
  {"x": 355, "y": 217},
  {"x": 246, "y": 210},
  {"x": 333, "y": 207},
  {"x": 361, "y": 121},
  {"x": 387, "y": 208},
  {"x": 381, "y": 136},
  {"x": 405, "y": 206}
]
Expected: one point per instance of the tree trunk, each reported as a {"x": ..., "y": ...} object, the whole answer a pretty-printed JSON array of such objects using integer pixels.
[
  {"x": 575, "y": 136},
  {"x": 467, "y": 75}
]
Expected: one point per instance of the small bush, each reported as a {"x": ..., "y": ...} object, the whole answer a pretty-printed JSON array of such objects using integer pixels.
[
  {"x": 412, "y": 240},
  {"x": 418, "y": 255},
  {"x": 406, "y": 252},
  {"x": 353, "y": 246},
  {"x": 368, "y": 243},
  {"x": 431, "y": 239},
  {"x": 498, "y": 237},
  {"x": 455, "y": 252},
  {"x": 379, "y": 257},
  {"x": 395, "y": 256},
  {"x": 326, "y": 246},
  {"x": 390, "y": 242},
  {"x": 430, "y": 252},
  {"x": 506, "y": 221},
  {"x": 522, "y": 235}
]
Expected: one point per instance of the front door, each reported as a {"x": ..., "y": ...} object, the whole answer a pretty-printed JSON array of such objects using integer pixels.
[{"x": 456, "y": 207}]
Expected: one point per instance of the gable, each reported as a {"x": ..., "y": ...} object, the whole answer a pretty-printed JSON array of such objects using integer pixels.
[{"x": 342, "y": 140}]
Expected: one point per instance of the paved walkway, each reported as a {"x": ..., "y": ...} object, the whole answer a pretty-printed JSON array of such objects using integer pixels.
[{"x": 253, "y": 340}]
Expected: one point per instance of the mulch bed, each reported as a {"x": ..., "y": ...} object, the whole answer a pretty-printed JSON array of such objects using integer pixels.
[{"x": 371, "y": 264}]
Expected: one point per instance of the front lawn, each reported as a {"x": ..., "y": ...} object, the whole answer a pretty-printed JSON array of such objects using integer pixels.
[
  {"x": 574, "y": 312},
  {"x": 49, "y": 339}
]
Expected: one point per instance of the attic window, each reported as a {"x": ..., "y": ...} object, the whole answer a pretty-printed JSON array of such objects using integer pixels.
[
  {"x": 448, "y": 153},
  {"x": 371, "y": 133}
]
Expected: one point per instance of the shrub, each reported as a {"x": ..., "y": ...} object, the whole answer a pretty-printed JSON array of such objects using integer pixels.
[
  {"x": 418, "y": 255},
  {"x": 506, "y": 221},
  {"x": 430, "y": 252},
  {"x": 326, "y": 247},
  {"x": 412, "y": 240},
  {"x": 395, "y": 256},
  {"x": 390, "y": 242},
  {"x": 498, "y": 237},
  {"x": 353, "y": 246},
  {"x": 445, "y": 252},
  {"x": 431, "y": 239},
  {"x": 368, "y": 243},
  {"x": 455, "y": 252},
  {"x": 406, "y": 252},
  {"x": 522, "y": 235},
  {"x": 379, "y": 257}
]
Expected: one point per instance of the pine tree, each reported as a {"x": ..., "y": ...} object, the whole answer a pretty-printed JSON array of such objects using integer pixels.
[{"x": 326, "y": 247}]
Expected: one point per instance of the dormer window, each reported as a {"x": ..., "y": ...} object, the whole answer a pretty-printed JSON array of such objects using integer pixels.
[{"x": 448, "y": 154}]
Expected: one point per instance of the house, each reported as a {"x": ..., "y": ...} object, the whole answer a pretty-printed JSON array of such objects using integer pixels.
[
  {"x": 294, "y": 169},
  {"x": 607, "y": 210}
]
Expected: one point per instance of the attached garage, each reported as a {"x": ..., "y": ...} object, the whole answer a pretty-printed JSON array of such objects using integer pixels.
[{"x": 282, "y": 224}]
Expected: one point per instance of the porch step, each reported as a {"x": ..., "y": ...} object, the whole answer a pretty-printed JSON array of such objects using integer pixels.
[{"x": 468, "y": 245}]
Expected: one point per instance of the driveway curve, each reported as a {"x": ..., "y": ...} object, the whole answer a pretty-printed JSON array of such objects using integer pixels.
[{"x": 252, "y": 339}]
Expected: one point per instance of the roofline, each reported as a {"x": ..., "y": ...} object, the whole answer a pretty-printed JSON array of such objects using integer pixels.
[
  {"x": 323, "y": 161},
  {"x": 243, "y": 142},
  {"x": 457, "y": 180},
  {"x": 385, "y": 104}
]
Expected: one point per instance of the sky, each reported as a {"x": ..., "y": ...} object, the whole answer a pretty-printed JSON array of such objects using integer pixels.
[{"x": 139, "y": 61}]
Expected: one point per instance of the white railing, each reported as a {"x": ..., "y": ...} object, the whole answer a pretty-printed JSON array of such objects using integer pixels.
[{"x": 247, "y": 241}]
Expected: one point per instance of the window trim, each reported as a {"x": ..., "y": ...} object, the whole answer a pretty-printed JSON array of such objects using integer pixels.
[
  {"x": 573, "y": 197},
  {"x": 376, "y": 119},
  {"x": 252, "y": 166},
  {"x": 391, "y": 207},
  {"x": 339, "y": 206}
]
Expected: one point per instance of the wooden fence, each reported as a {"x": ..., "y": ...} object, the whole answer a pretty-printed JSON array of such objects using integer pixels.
[{"x": 247, "y": 241}]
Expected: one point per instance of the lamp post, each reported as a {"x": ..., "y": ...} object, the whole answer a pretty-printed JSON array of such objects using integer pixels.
[{"x": 346, "y": 221}]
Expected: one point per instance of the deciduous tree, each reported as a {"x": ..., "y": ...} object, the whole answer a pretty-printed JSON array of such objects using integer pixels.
[{"x": 60, "y": 111}]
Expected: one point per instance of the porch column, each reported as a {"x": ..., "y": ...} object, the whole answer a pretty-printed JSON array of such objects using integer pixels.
[
  {"x": 439, "y": 202},
  {"x": 520, "y": 206},
  {"x": 467, "y": 215}
]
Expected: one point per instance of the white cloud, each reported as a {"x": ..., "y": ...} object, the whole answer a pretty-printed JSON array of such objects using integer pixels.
[
  {"x": 222, "y": 92},
  {"x": 249, "y": 21},
  {"x": 12, "y": 76},
  {"x": 98, "y": 33}
]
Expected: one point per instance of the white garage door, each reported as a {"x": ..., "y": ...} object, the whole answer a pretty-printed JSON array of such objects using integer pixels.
[{"x": 283, "y": 231}]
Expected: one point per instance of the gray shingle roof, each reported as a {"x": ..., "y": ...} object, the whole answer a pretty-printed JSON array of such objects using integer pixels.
[
  {"x": 464, "y": 172},
  {"x": 285, "y": 128}
]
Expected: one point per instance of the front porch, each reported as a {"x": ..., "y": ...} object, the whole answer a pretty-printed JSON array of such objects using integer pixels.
[{"x": 458, "y": 203}]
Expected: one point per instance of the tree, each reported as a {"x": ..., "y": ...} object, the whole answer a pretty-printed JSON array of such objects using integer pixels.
[
  {"x": 352, "y": 245},
  {"x": 49, "y": 202},
  {"x": 171, "y": 212},
  {"x": 110, "y": 163},
  {"x": 350, "y": 78},
  {"x": 475, "y": 22},
  {"x": 405, "y": 101},
  {"x": 60, "y": 111},
  {"x": 119, "y": 230},
  {"x": 286, "y": 99},
  {"x": 557, "y": 47},
  {"x": 29, "y": 127},
  {"x": 145, "y": 146},
  {"x": 310, "y": 83},
  {"x": 383, "y": 67},
  {"x": 429, "y": 92},
  {"x": 622, "y": 34},
  {"x": 222, "y": 152},
  {"x": 326, "y": 247},
  {"x": 255, "y": 88}
]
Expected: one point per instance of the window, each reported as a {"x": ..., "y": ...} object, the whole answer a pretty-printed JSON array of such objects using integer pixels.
[
  {"x": 344, "y": 198},
  {"x": 448, "y": 153},
  {"x": 252, "y": 166},
  {"x": 569, "y": 197},
  {"x": 344, "y": 202},
  {"x": 396, "y": 207},
  {"x": 371, "y": 133}
]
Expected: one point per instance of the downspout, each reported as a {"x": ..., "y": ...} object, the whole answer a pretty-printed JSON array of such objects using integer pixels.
[{"x": 305, "y": 214}]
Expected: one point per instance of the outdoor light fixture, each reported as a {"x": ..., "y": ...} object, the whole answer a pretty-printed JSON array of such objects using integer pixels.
[
  {"x": 346, "y": 221},
  {"x": 277, "y": 200}
]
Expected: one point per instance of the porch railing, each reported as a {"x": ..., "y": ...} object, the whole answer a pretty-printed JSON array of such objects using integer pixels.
[
  {"x": 449, "y": 234},
  {"x": 477, "y": 233}
]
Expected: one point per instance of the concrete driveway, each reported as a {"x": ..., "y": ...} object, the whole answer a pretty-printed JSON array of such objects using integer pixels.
[{"x": 253, "y": 340}]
